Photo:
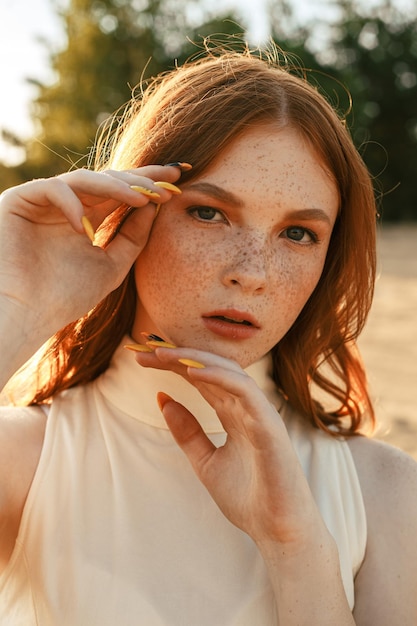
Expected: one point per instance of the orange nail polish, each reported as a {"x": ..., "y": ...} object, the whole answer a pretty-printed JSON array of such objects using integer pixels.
[
  {"x": 162, "y": 398},
  {"x": 184, "y": 167}
]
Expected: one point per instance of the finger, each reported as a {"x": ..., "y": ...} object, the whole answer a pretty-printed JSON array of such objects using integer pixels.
[
  {"x": 207, "y": 367},
  {"x": 144, "y": 185},
  {"x": 122, "y": 188},
  {"x": 174, "y": 359},
  {"x": 43, "y": 193},
  {"x": 233, "y": 394},
  {"x": 151, "y": 172},
  {"x": 195, "y": 365},
  {"x": 186, "y": 431},
  {"x": 208, "y": 359}
]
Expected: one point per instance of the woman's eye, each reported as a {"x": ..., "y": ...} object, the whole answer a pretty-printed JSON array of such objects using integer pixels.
[
  {"x": 207, "y": 214},
  {"x": 297, "y": 233}
]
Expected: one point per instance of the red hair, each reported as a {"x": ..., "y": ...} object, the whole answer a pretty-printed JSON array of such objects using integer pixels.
[{"x": 190, "y": 114}]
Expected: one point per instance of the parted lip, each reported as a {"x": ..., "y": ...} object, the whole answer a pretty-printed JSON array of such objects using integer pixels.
[{"x": 233, "y": 316}]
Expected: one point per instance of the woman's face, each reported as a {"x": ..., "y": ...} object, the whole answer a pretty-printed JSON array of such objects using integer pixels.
[{"x": 231, "y": 262}]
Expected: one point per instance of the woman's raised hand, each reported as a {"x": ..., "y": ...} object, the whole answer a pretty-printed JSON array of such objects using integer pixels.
[
  {"x": 50, "y": 273},
  {"x": 255, "y": 477}
]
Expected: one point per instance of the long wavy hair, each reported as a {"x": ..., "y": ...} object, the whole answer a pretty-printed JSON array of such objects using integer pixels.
[{"x": 190, "y": 114}]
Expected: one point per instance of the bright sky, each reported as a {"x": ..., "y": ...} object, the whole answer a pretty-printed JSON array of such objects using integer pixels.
[
  {"x": 22, "y": 56},
  {"x": 24, "y": 22}
]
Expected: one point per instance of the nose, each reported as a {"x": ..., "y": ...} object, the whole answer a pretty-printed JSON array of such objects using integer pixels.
[{"x": 247, "y": 268}]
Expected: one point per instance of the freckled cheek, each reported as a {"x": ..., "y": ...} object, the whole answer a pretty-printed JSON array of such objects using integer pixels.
[
  {"x": 293, "y": 283},
  {"x": 173, "y": 267}
]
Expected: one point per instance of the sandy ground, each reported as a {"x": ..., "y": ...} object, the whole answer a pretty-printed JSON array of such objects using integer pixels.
[{"x": 389, "y": 340}]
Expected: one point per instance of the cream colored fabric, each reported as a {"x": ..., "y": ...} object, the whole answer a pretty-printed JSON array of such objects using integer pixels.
[{"x": 118, "y": 530}]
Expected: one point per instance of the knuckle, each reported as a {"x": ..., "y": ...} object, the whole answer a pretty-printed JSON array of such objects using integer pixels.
[{"x": 110, "y": 172}]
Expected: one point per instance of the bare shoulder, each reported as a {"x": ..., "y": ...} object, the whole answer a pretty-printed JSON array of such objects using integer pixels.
[
  {"x": 386, "y": 473},
  {"x": 387, "y": 580},
  {"x": 379, "y": 463},
  {"x": 22, "y": 431},
  {"x": 388, "y": 478}
]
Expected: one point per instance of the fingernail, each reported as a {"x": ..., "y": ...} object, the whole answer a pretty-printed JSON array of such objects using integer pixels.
[
  {"x": 154, "y": 340},
  {"x": 162, "y": 399},
  {"x": 192, "y": 363},
  {"x": 146, "y": 192},
  {"x": 184, "y": 167},
  {"x": 137, "y": 347},
  {"x": 160, "y": 344},
  {"x": 158, "y": 206},
  {"x": 88, "y": 228},
  {"x": 150, "y": 337},
  {"x": 169, "y": 186}
]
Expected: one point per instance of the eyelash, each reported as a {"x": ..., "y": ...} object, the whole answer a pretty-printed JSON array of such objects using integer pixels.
[
  {"x": 194, "y": 212},
  {"x": 306, "y": 231}
]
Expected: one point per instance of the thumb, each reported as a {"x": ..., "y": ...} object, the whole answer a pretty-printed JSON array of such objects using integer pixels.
[{"x": 128, "y": 243}]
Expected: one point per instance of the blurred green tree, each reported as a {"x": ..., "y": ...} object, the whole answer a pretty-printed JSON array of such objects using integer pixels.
[
  {"x": 111, "y": 46},
  {"x": 372, "y": 53}
]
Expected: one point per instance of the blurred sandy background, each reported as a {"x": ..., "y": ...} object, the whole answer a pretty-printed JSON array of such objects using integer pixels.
[{"x": 389, "y": 341}]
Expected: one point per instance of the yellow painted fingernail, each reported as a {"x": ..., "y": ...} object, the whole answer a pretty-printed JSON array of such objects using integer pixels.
[
  {"x": 169, "y": 186},
  {"x": 158, "y": 206},
  {"x": 146, "y": 192},
  {"x": 160, "y": 344},
  {"x": 137, "y": 347},
  {"x": 88, "y": 228},
  {"x": 192, "y": 363}
]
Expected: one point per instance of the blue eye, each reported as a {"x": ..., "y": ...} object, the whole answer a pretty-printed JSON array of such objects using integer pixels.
[
  {"x": 207, "y": 214},
  {"x": 297, "y": 233}
]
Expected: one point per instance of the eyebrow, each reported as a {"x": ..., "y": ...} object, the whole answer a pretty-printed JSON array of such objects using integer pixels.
[
  {"x": 310, "y": 214},
  {"x": 230, "y": 198},
  {"x": 216, "y": 192}
]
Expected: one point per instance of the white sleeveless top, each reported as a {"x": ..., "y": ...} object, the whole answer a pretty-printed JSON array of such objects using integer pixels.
[{"x": 118, "y": 530}]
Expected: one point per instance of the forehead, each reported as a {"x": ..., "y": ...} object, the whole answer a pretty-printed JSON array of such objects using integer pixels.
[{"x": 275, "y": 161}]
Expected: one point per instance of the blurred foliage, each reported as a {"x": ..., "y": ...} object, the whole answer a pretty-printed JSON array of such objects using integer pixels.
[
  {"x": 112, "y": 45},
  {"x": 375, "y": 55}
]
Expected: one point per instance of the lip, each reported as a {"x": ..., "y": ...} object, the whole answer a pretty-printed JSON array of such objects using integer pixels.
[{"x": 229, "y": 329}]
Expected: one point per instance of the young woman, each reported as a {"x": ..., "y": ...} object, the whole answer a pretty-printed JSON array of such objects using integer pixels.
[{"x": 238, "y": 276}]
